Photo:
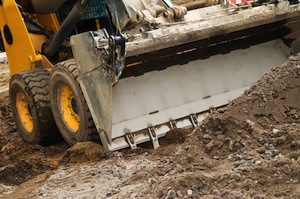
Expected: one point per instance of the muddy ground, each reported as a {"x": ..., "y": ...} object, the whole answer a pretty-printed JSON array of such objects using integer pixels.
[{"x": 250, "y": 149}]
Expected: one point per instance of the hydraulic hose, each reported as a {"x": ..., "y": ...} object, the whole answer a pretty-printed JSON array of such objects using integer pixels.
[{"x": 52, "y": 45}]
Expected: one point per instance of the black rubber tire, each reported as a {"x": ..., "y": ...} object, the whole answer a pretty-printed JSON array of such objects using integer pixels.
[
  {"x": 35, "y": 86},
  {"x": 66, "y": 73}
]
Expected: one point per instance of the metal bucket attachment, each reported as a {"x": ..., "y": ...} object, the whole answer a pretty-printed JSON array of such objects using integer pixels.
[{"x": 143, "y": 108}]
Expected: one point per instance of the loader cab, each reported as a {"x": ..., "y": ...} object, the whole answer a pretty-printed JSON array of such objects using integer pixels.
[
  {"x": 96, "y": 17},
  {"x": 40, "y": 6}
]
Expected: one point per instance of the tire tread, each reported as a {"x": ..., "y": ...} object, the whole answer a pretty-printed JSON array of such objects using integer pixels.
[
  {"x": 92, "y": 132},
  {"x": 37, "y": 84}
]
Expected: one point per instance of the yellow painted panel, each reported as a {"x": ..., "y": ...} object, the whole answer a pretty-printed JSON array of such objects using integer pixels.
[
  {"x": 20, "y": 54},
  {"x": 38, "y": 40},
  {"x": 49, "y": 21}
]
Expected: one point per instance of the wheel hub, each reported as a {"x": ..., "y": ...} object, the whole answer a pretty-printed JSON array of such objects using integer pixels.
[
  {"x": 24, "y": 112},
  {"x": 68, "y": 108}
]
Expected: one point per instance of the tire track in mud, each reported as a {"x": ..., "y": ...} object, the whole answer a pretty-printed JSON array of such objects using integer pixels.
[{"x": 94, "y": 180}]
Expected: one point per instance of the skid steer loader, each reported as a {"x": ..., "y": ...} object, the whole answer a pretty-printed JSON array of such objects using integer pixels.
[{"x": 128, "y": 71}]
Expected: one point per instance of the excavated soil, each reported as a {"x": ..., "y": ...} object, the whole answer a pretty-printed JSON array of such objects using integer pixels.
[{"x": 250, "y": 149}]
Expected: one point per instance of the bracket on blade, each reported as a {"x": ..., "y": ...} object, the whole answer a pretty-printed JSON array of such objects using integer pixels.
[
  {"x": 153, "y": 137},
  {"x": 194, "y": 121},
  {"x": 117, "y": 55},
  {"x": 130, "y": 140},
  {"x": 173, "y": 124}
]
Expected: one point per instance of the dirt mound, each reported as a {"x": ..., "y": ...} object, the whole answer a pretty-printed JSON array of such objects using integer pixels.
[
  {"x": 258, "y": 133},
  {"x": 256, "y": 118},
  {"x": 84, "y": 152}
]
